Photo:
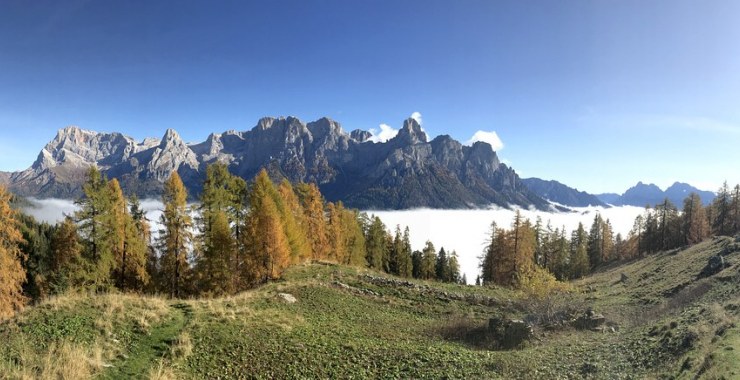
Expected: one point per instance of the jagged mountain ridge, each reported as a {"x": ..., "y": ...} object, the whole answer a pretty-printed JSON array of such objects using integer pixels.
[
  {"x": 406, "y": 171},
  {"x": 649, "y": 194},
  {"x": 561, "y": 194}
]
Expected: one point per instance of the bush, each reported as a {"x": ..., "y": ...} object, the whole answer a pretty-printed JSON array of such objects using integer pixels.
[{"x": 539, "y": 283}]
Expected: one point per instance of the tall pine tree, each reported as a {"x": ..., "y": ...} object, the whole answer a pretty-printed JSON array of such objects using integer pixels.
[
  {"x": 579, "y": 262},
  {"x": 722, "y": 222},
  {"x": 134, "y": 273},
  {"x": 313, "y": 207},
  {"x": 428, "y": 262},
  {"x": 375, "y": 245},
  {"x": 175, "y": 236},
  {"x": 269, "y": 248},
  {"x": 693, "y": 220},
  {"x": 12, "y": 274},
  {"x": 94, "y": 222}
]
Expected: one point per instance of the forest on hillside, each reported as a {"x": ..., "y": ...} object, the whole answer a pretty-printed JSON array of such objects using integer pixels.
[
  {"x": 241, "y": 235},
  {"x": 238, "y": 236}
]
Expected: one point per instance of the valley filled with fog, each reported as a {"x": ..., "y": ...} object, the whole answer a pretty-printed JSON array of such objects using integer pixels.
[{"x": 463, "y": 231}]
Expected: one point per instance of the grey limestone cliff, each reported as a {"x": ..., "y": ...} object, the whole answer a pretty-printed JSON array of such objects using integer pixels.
[{"x": 406, "y": 171}]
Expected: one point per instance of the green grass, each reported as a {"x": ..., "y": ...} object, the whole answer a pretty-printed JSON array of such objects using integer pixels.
[
  {"x": 147, "y": 348},
  {"x": 346, "y": 324}
]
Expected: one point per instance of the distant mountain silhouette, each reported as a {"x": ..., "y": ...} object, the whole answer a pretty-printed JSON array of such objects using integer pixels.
[
  {"x": 557, "y": 192},
  {"x": 650, "y": 194}
]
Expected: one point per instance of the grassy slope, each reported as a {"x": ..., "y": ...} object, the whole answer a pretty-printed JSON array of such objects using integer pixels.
[{"x": 668, "y": 324}]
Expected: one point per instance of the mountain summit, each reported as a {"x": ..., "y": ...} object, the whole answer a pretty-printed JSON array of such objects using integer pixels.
[
  {"x": 557, "y": 192},
  {"x": 407, "y": 171},
  {"x": 649, "y": 194}
]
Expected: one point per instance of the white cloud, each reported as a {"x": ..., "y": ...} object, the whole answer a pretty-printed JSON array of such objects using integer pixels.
[
  {"x": 386, "y": 133},
  {"x": 53, "y": 211},
  {"x": 417, "y": 116},
  {"x": 50, "y": 210},
  {"x": 487, "y": 137}
]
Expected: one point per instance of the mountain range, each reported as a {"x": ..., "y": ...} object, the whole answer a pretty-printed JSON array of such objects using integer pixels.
[
  {"x": 407, "y": 171},
  {"x": 559, "y": 193},
  {"x": 650, "y": 194}
]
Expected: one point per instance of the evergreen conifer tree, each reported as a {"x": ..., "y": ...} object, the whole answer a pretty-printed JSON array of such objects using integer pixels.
[
  {"x": 375, "y": 243},
  {"x": 722, "y": 222},
  {"x": 579, "y": 261},
  {"x": 453, "y": 269},
  {"x": 428, "y": 262},
  {"x": 442, "y": 266},
  {"x": 94, "y": 221},
  {"x": 65, "y": 269}
]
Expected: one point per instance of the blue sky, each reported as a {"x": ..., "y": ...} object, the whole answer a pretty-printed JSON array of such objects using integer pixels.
[{"x": 595, "y": 94}]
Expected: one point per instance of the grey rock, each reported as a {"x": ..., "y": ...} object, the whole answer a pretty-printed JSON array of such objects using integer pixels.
[
  {"x": 287, "y": 298},
  {"x": 407, "y": 171},
  {"x": 730, "y": 249},
  {"x": 360, "y": 136},
  {"x": 623, "y": 278},
  {"x": 590, "y": 320},
  {"x": 510, "y": 333},
  {"x": 715, "y": 265}
]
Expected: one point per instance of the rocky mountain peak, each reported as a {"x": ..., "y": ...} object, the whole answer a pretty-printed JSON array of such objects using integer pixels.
[
  {"x": 264, "y": 123},
  {"x": 406, "y": 171},
  {"x": 171, "y": 137},
  {"x": 484, "y": 152},
  {"x": 325, "y": 126},
  {"x": 71, "y": 135},
  {"x": 360, "y": 135},
  {"x": 70, "y": 130},
  {"x": 169, "y": 156},
  {"x": 411, "y": 133},
  {"x": 649, "y": 194},
  {"x": 80, "y": 147}
]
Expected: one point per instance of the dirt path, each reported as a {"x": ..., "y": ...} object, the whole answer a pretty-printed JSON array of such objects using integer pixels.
[{"x": 147, "y": 350}]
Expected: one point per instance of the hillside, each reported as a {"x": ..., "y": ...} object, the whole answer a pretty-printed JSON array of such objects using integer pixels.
[{"x": 661, "y": 321}]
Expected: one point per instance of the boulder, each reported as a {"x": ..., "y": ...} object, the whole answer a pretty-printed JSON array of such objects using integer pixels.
[
  {"x": 287, "y": 298},
  {"x": 730, "y": 249},
  {"x": 623, "y": 278},
  {"x": 589, "y": 321},
  {"x": 715, "y": 265},
  {"x": 510, "y": 333}
]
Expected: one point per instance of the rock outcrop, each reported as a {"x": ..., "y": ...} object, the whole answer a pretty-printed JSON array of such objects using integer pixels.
[
  {"x": 589, "y": 321},
  {"x": 715, "y": 265},
  {"x": 510, "y": 333}
]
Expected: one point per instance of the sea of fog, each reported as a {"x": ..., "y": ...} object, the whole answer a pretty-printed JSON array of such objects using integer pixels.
[
  {"x": 466, "y": 231},
  {"x": 463, "y": 231}
]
